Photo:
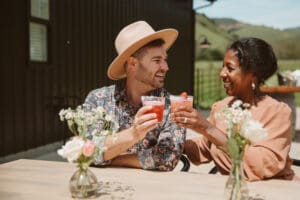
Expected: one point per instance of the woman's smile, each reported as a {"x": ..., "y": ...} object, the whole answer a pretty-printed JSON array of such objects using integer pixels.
[{"x": 227, "y": 84}]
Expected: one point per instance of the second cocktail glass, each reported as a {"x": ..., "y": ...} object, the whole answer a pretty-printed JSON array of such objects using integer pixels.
[{"x": 177, "y": 100}]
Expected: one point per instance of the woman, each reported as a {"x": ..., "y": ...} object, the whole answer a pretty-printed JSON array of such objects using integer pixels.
[{"x": 246, "y": 65}]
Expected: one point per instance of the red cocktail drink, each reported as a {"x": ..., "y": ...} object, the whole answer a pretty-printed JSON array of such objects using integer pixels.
[
  {"x": 181, "y": 101},
  {"x": 157, "y": 103},
  {"x": 157, "y": 107}
]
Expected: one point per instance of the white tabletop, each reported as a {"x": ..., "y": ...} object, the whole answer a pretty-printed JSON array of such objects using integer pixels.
[{"x": 43, "y": 180}]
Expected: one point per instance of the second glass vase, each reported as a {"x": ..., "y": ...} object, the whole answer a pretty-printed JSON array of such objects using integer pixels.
[{"x": 236, "y": 186}]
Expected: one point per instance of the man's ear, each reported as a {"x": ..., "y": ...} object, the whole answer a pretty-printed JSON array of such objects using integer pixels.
[{"x": 131, "y": 61}]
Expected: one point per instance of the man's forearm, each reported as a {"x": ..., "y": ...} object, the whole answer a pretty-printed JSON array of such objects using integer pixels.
[
  {"x": 124, "y": 141},
  {"x": 126, "y": 160}
]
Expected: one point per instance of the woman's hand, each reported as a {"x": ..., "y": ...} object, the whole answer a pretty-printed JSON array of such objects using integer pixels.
[
  {"x": 144, "y": 122},
  {"x": 188, "y": 117}
]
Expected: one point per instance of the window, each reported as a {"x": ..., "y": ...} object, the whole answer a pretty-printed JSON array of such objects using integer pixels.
[
  {"x": 38, "y": 30},
  {"x": 38, "y": 42}
]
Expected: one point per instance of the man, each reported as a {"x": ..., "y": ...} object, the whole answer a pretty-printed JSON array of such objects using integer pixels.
[{"x": 141, "y": 141}]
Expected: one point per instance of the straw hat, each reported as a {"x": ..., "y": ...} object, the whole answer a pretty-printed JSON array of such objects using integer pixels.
[{"x": 133, "y": 37}]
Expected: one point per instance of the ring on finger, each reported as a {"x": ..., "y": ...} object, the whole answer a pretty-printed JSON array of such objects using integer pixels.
[{"x": 185, "y": 120}]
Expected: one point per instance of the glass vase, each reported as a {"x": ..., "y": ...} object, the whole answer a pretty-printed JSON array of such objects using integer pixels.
[
  {"x": 83, "y": 184},
  {"x": 236, "y": 186}
]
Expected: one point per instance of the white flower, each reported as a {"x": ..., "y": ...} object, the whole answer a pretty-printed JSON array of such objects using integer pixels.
[
  {"x": 108, "y": 118},
  {"x": 89, "y": 120},
  {"x": 99, "y": 110},
  {"x": 69, "y": 115},
  {"x": 238, "y": 119},
  {"x": 72, "y": 149},
  {"x": 237, "y": 104},
  {"x": 83, "y": 122},
  {"x": 105, "y": 132},
  {"x": 94, "y": 132},
  {"x": 61, "y": 114},
  {"x": 253, "y": 130}
]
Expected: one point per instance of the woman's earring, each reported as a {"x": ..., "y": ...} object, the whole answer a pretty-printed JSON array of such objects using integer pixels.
[{"x": 253, "y": 86}]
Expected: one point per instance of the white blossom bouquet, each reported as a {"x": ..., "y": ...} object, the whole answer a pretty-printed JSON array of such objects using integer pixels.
[
  {"x": 80, "y": 149},
  {"x": 242, "y": 130}
]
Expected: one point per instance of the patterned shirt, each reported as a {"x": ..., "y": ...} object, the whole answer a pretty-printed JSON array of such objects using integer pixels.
[{"x": 161, "y": 148}]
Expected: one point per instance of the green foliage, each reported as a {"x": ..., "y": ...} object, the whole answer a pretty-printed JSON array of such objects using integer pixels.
[
  {"x": 233, "y": 148},
  {"x": 208, "y": 85},
  {"x": 288, "y": 65},
  {"x": 236, "y": 146},
  {"x": 285, "y": 43},
  {"x": 210, "y": 54}
]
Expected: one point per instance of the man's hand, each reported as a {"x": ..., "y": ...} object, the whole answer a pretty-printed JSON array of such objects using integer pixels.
[{"x": 143, "y": 123}]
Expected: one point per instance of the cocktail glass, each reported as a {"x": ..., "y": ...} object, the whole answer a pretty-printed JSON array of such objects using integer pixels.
[
  {"x": 177, "y": 100},
  {"x": 157, "y": 103}
]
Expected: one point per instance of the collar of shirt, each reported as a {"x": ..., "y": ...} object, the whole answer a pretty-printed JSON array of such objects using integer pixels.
[{"x": 120, "y": 94}]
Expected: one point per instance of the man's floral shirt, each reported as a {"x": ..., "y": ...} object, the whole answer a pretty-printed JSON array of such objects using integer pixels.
[{"x": 161, "y": 148}]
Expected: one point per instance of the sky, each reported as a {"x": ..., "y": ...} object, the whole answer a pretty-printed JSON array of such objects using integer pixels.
[{"x": 278, "y": 14}]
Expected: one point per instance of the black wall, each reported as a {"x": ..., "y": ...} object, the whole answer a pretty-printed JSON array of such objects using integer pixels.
[{"x": 81, "y": 39}]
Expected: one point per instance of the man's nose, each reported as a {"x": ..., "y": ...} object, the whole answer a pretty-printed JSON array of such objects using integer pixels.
[{"x": 164, "y": 66}]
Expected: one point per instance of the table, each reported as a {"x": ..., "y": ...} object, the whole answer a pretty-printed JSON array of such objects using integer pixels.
[
  {"x": 284, "y": 94},
  {"x": 280, "y": 89},
  {"x": 33, "y": 179}
]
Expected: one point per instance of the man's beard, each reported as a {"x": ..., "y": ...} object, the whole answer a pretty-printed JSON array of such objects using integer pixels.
[{"x": 145, "y": 78}]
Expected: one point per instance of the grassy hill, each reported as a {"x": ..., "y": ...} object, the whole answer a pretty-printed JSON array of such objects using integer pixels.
[
  {"x": 222, "y": 31},
  {"x": 219, "y": 38}
]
